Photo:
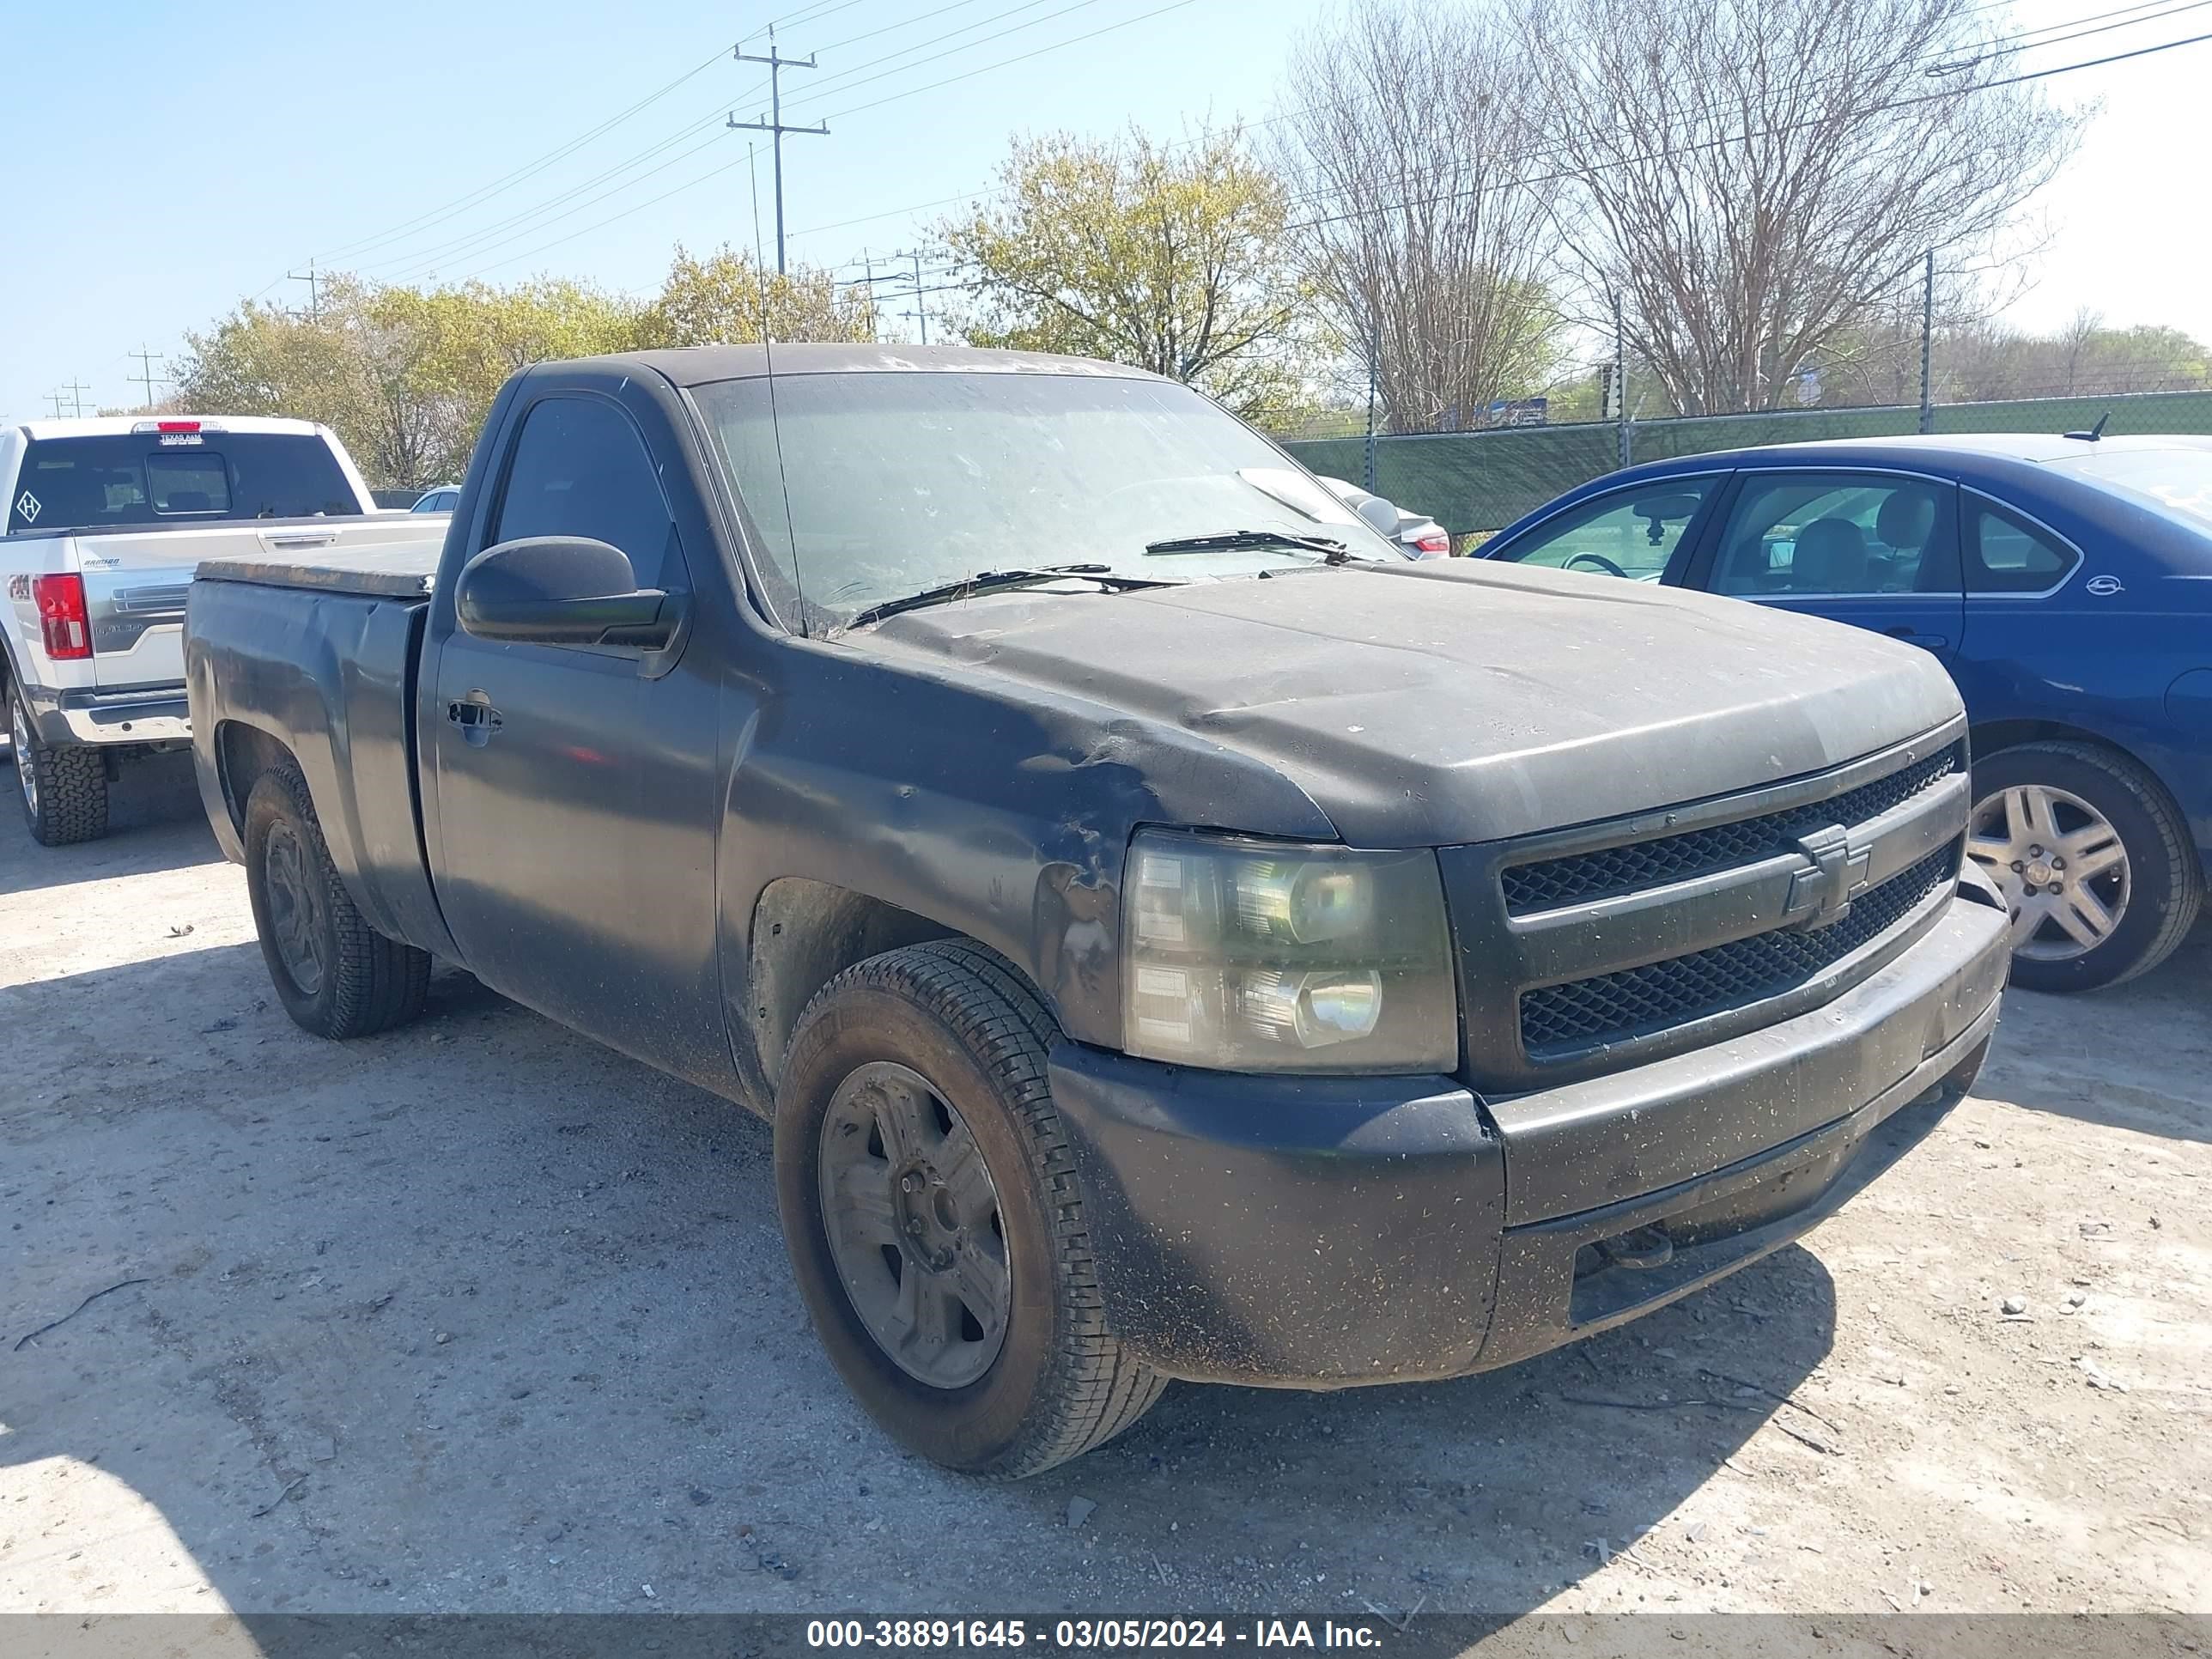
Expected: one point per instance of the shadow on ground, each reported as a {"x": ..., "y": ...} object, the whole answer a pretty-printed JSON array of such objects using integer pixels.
[
  {"x": 2138, "y": 1056},
  {"x": 480, "y": 1315},
  {"x": 154, "y": 821}
]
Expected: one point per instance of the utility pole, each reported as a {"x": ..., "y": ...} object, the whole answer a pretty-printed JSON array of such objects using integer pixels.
[
  {"x": 55, "y": 398},
  {"x": 76, "y": 389},
  {"x": 1374, "y": 365},
  {"x": 920, "y": 312},
  {"x": 1927, "y": 345},
  {"x": 776, "y": 65},
  {"x": 1621, "y": 381},
  {"x": 313, "y": 278},
  {"x": 868, "y": 264},
  {"x": 145, "y": 376}
]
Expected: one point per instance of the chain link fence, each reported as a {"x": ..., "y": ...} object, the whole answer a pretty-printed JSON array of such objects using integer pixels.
[{"x": 1474, "y": 481}]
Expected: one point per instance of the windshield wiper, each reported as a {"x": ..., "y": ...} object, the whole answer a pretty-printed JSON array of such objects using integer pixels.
[
  {"x": 996, "y": 582},
  {"x": 1332, "y": 552}
]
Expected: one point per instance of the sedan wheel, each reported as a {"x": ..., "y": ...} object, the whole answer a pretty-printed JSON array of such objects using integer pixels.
[
  {"x": 2093, "y": 860},
  {"x": 2060, "y": 865}
]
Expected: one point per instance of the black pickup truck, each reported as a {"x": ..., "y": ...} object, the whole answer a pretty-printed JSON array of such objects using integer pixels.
[{"x": 1171, "y": 933}]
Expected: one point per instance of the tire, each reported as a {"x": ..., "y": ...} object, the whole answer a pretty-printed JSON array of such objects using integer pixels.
[
  {"x": 2149, "y": 897},
  {"x": 336, "y": 975},
  {"x": 956, "y": 1020},
  {"x": 63, "y": 789}
]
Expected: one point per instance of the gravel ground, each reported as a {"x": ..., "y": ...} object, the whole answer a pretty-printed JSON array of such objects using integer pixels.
[{"x": 480, "y": 1317}]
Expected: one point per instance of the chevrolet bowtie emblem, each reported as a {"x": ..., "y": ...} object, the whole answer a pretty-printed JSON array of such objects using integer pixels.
[{"x": 1823, "y": 895}]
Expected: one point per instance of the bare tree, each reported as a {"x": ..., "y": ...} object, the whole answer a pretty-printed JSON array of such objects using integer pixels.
[
  {"x": 1753, "y": 177},
  {"x": 1407, "y": 130},
  {"x": 2075, "y": 340}
]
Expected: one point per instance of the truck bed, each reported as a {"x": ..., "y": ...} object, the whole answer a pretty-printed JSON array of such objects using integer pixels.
[{"x": 403, "y": 571}]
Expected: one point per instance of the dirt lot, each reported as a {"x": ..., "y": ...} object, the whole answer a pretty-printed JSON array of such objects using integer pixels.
[{"x": 479, "y": 1315}]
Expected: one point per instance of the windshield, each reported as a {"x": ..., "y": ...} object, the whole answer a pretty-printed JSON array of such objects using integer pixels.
[
  {"x": 2177, "y": 481},
  {"x": 891, "y": 482},
  {"x": 129, "y": 480}
]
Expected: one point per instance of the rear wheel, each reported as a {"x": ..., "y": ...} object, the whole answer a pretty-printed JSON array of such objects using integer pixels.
[
  {"x": 336, "y": 975},
  {"x": 2093, "y": 858},
  {"x": 62, "y": 788},
  {"x": 935, "y": 1218}
]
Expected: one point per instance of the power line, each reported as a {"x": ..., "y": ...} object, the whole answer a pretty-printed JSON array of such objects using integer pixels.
[
  {"x": 846, "y": 79},
  {"x": 775, "y": 125},
  {"x": 1020, "y": 58},
  {"x": 1959, "y": 64},
  {"x": 508, "y": 180}
]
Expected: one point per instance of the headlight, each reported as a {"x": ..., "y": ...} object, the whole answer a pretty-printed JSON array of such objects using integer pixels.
[{"x": 1252, "y": 955}]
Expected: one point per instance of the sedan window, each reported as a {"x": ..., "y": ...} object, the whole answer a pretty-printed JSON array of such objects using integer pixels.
[
  {"x": 2006, "y": 553},
  {"x": 1632, "y": 532},
  {"x": 1811, "y": 533}
]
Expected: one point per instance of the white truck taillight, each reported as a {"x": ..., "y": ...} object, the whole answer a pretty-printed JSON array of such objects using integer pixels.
[{"x": 66, "y": 632}]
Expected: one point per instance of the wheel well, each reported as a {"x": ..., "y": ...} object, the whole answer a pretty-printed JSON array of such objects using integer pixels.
[
  {"x": 1988, "y": 737},
  {"x": 243, "y": 754},
  {"x": 805, "y": 934}
]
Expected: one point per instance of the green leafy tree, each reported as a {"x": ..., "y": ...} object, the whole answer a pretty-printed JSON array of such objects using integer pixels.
[
  {"x": 1173, "y": 258},
  {"x": 723, "y": 298},
  {"x": 404, "y": 376}
]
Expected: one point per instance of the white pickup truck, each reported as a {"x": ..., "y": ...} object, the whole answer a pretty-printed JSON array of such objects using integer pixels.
[{"x": 105, "y": 521}]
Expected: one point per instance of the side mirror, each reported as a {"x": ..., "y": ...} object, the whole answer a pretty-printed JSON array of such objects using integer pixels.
[{"x": 562, "y": 590}]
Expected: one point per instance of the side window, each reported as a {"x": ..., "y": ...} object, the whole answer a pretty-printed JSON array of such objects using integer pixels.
[
  {"x": 580, "y": 469},
  {"x": 1631, "y": 533},
  {"x": 1811, "y": 533},
  {"x": 2007, "y": 554}
]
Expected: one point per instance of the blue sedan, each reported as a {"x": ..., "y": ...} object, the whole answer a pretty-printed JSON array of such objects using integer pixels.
[{"x": 2066, "y": 582}]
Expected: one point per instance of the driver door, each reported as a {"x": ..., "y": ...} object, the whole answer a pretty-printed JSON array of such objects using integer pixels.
[
  {"x": 577, "y": 784},
  {"x": 1646, "y": 533}
]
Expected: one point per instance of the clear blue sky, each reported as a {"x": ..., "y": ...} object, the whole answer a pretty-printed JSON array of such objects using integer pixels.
[{"x": 171, "y": 160}]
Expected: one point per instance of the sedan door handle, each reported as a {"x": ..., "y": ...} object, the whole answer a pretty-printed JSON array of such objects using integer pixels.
[{"x": 1914, "y": 636}]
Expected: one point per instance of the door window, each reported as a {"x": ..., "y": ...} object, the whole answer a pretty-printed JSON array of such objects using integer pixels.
[
  {"x": 1809, "y": 533},
  {"x": 2007, "y": 554},
  {"x": 1633, "y": 533},
  {"x": 580, "y": 469}
]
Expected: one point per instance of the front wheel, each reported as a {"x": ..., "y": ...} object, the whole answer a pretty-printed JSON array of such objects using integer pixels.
[
  {"x": 2093, "y": 860},
  {"x": 62, "y": 788},
  {"x": 935, "y": 1221}
]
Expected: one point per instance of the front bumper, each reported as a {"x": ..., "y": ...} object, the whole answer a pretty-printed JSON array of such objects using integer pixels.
[
  {"x": 1325, "y": 1232},
  {"x": 142, "y": 714}
]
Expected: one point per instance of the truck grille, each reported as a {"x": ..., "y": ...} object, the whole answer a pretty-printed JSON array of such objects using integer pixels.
[
  {"x": 1586, "y": 950},
  {"x": 1613, "y": 1007},
  {"x": 1550, "y": 883}
]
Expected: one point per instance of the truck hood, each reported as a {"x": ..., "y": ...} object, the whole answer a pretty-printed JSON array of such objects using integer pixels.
[{"x": 1435, "y": 704}]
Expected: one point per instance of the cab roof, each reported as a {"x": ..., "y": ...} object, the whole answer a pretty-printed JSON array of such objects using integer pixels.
[
  {"x": 692, "y": 366},
  {"x": 121, "y": 426}
]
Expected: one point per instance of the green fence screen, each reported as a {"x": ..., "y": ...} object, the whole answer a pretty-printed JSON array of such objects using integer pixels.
[{"x": 1480, "y": 481}]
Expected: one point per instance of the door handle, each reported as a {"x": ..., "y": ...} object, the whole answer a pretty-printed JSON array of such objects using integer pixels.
[
  {"x": 1914, "y": 636},
  {"x": 305, "y": 538},
  {"x": 476, "y": 718}
]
